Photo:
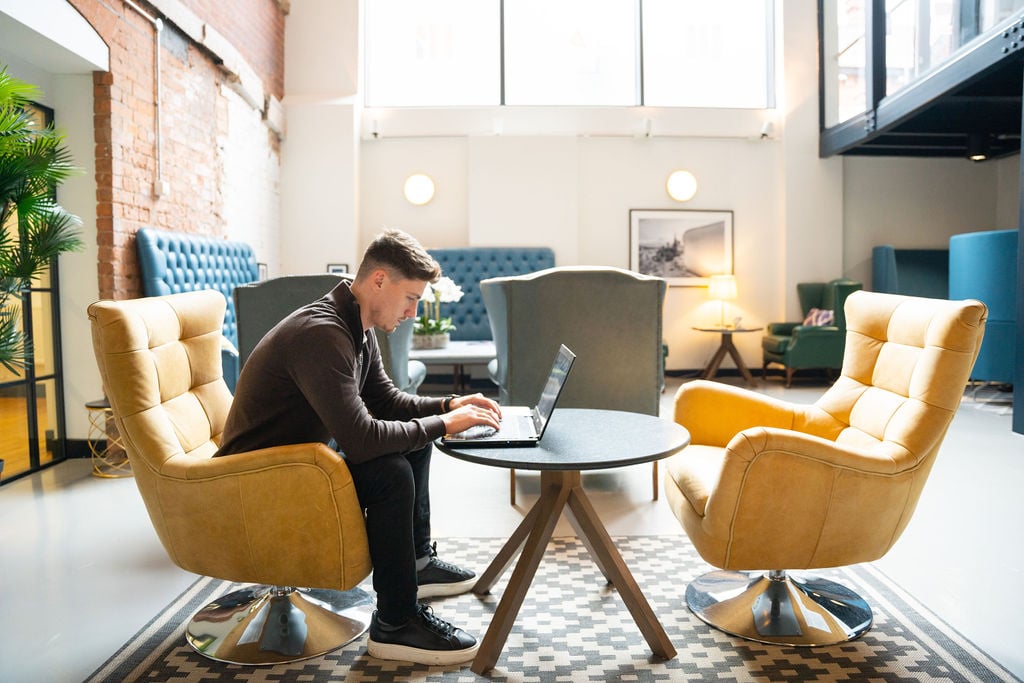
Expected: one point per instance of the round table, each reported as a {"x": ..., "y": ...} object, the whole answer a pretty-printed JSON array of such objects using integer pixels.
[
  {"x": 727, "y": 347},
  {"x": 576, "y": 439}
]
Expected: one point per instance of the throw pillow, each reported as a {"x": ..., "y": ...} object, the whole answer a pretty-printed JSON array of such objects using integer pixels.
[{"x": 819, "y": 317}]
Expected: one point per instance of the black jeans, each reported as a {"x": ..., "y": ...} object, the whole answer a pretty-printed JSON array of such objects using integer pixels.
[{"x": 395, "y": 492}]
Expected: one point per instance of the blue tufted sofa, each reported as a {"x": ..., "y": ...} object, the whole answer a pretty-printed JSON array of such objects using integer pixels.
[
  {"x": 468, "y": 266},
  {"x": 172, "y": 262}
]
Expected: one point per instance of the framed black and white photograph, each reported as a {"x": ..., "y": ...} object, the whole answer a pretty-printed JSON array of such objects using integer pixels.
[
  {"x": 685, "y": 247},
  {"x": 337, "y": 268}
]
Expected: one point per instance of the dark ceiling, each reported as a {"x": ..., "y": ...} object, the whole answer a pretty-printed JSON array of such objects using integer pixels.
[{"x": 975, "y": 99}]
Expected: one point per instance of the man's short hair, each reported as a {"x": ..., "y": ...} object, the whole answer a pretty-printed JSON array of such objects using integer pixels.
[{"x": 401, "y": 253}]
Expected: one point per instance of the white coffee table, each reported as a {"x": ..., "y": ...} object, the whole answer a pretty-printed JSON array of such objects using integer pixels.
[{"x": 458, "y": 354}]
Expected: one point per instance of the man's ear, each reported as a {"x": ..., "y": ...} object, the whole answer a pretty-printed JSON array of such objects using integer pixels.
[{"x": 378, "y": 278}]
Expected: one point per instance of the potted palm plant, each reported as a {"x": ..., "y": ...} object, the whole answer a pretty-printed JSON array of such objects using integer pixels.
[{"x": 34, "y": 229}]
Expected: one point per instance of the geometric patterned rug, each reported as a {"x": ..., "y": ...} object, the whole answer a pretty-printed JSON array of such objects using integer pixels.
[{"x": 572, "y": 627}]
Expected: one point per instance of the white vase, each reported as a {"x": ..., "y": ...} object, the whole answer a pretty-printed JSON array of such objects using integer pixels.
[{"x": 430, "y": 341}]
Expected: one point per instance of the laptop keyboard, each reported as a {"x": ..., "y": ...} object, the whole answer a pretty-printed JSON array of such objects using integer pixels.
[
  {"x": 512, "y": 427},
  {"x": 477, "y": 432},
  {"x": 516, "y": 426}
]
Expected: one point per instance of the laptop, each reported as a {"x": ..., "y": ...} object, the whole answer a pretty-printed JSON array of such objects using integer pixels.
[{"x": 520, "y": 425}]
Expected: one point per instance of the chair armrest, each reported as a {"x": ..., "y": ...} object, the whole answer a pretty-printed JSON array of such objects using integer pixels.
[
  {"x": 825, "y": 504},
  {"x": 781, "y": 329},
  {"x": 714, "y": 413},
  {"x": 290, "y": 513},
  {"x": 815, "y": 331},
  {"x": 823, "y": 344},
  {"x": 786, "y": 446}
]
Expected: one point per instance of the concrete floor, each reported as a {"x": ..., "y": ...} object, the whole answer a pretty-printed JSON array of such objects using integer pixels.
[{"x": 82, "y": 569}]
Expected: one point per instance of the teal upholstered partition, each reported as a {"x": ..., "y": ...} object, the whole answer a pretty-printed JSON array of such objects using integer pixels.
[
  {"x": 913, "y": 272},
  {"x": 983, "y": 266}
]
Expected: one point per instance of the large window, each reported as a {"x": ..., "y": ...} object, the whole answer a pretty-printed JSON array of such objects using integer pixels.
[
  {"x": 665, "y": 53},
  {"x": 566, "y": 53},
  {"x": 708, "y": 54},
  {"x": 432, "y": 54},
  {"x": 920, "y": 35}
]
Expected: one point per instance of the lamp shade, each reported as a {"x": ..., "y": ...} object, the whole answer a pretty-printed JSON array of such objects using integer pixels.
[{"x": 722, "y": 287}]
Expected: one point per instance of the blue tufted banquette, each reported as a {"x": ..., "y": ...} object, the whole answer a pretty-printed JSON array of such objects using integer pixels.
[
  {"x": 468, "y": 266},
  {"x": 172, "y": 262}
]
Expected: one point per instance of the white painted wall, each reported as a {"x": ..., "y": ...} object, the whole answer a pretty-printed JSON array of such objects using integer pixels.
[
  {"x": 252, "y": 200},
  {"x": 70, "y": 96},
  {"x": 78, "y": 273},
  {"x": 914, "y": 203},
  {"x": 320, "y": 154},
  {"x": 512, "y": 181},
  {"x": 442, "y": 222}
]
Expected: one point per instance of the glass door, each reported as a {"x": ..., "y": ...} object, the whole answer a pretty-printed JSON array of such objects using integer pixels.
[{"x": 31, "y": 400}]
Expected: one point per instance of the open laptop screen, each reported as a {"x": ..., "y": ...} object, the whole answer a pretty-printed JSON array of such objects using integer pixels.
[{"x": 553, "y": 387}]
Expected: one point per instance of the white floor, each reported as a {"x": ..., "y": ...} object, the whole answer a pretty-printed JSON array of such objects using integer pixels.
[{"x": 81, "y": 569}]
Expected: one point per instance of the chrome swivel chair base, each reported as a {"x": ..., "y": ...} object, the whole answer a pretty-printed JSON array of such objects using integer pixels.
[
  {"x": 263, "y": 625},
  {"x": 779, "y": 609}
]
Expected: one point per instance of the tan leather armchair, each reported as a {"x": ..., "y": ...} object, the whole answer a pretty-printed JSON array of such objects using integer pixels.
[
  {"x": 609, "y": 317},
  {"x": 771, "y": 484},
  {"x": 285, "y": 516}
]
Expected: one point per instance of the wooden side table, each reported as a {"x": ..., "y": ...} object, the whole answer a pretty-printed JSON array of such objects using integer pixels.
[
  {"x": 577, "y": 439},
  {"x": 727, "y": 347},
  {"x": 109, "y": 461}
]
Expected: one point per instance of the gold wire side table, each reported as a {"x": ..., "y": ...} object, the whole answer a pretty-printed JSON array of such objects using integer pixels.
[{"x": 109, "y": 459}]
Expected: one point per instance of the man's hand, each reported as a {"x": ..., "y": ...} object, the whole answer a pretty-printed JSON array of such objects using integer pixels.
[{"x": 469, "y": 411}]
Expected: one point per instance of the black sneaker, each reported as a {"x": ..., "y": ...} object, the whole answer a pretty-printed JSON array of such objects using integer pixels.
[
  {"x": 442, "y": 578},
  {"x": 424, "y": 639}
]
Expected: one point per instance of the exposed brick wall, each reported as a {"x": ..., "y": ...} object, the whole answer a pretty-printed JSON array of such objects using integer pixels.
[
  {"x": 256, "y": 29},
  {"x": 193, "y": 123}
]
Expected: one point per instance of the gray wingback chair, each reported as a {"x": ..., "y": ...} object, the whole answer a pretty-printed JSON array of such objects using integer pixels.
[
  {"x": 261, "y": 305},
  {"x": 611, "y": 319}
]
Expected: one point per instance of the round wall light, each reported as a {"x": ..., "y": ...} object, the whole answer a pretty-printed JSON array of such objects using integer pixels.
[
  {"x": 419, "y": 189},
  {"x": 681, "y": 185}
]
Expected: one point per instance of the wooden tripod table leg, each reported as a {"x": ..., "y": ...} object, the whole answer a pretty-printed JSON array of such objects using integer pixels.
[
  {"x": 555, "y": 489},
  {"x": 715, "y": 361},
  {"x": 508, "y": 552},
  {"x": 738, "y": 359},
  {"x": 610, "y": 561}
]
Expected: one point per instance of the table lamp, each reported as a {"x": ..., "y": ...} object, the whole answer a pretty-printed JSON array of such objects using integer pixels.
[{"x": 722, "y": 288}]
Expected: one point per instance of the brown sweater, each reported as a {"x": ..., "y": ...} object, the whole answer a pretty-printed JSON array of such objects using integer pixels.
[{"x": 318, "y": 375}]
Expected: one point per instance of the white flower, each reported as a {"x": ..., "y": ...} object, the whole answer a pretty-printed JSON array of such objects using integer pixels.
[{"x": 444, "y": 290}]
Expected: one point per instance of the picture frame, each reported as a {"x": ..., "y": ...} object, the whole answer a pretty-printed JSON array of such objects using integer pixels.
[
  {"x": 683, "y": 246},
  {"x": 337, "y": 268}
]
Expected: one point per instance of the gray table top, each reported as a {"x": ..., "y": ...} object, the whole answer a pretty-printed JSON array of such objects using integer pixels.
[
  {"x": 586, "y": 439},
  {"x": 457, "y": 353}
]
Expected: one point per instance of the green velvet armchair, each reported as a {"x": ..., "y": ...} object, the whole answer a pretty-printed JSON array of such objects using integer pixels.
[{"x": 796, "y": 346}]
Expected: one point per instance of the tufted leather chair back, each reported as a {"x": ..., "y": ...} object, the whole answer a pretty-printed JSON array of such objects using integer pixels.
[
  {"x": 468, "y": 266},
  {"x": 906, "y": 363}
]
